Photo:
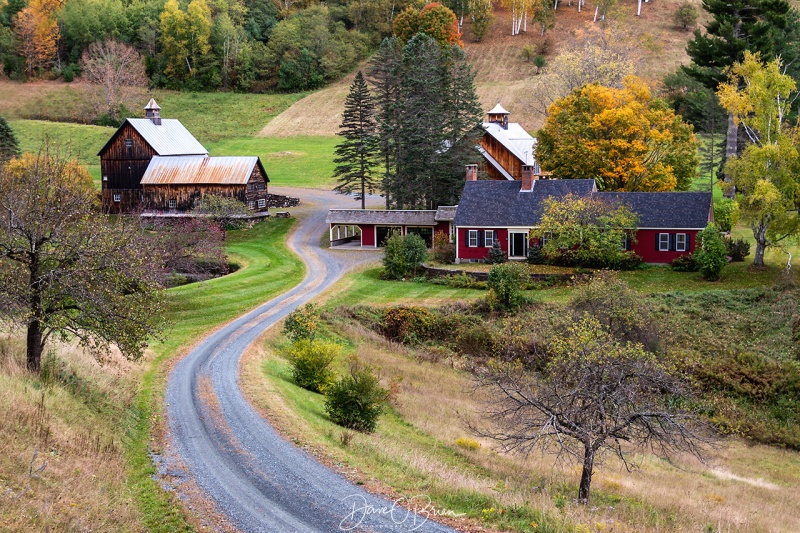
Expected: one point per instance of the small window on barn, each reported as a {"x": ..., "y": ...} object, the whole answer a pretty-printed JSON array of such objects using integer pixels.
[
  {"x": 262, "y": 203},
  {"x": 128, "y": 142},
  {"x": 105, "y": 178},
  {"x": 472, "y": 238},
  {"x": 117, "y": 198},
  {"x": 251, "y": 204},
  {"x": 681, "y": 242},
  {"x": 172, "y": 204},
  {"x": 488, "y": 238},
  {"x": 663, "y": 242}
]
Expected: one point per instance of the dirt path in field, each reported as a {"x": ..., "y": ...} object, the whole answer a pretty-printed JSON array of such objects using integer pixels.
[{"x": 257, "y": 480}]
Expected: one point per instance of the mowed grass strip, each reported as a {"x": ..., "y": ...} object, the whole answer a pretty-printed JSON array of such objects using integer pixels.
[
  {"x": 267, "y": 268},
  {"x": 289, "y": 161}
]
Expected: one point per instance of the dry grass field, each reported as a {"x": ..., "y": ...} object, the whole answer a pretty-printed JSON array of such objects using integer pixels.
[
  {"x": 743, "y": 488},
  {"x": 61, "y": 442}
]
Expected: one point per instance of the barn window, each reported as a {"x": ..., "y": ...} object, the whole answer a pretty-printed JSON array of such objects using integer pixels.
[
  {"x": 105, "y": 178},
  {"x": 663, "y": 242},
  {"x": 472, "y": 238},
  {"x": 172, "y": 204},
  {"x": 681, "y": 242},
  {"x": 128, "y": 142},
  {"x": 117, "y": 197},
  {"x": 262, "y": 203},
  {"x": 251, "y": 204}
]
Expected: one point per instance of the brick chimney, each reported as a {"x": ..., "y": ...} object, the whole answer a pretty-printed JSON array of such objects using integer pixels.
[
  {"x": 472, "y": 172},
  {"x": 528, "y": 177},
  {"x": 153, "y": 112}
]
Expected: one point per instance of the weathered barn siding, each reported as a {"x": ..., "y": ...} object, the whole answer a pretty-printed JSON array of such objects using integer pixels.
[
  {"x": 257, "y": 188},
  {"x": 122, "y": 168},
  {"x": 186, "y": 197},
  {"x": 507, "y": 160}
]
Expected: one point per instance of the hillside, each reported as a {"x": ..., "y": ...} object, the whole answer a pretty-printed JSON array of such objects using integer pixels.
[{"x": 503, "y": 74}]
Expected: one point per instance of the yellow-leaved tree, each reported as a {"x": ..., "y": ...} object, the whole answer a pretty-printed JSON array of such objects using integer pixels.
[
  {"x": 37, "y": 30},
  {"x": 767, "y": 173},
  {"x": 623, "y": 138}
]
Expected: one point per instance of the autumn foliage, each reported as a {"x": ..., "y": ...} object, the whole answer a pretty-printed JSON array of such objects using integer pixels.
[
  {"x": 623, "y": 138},
  {"x": 37, "y": 30},
  {"x": 434, "y": 20}
]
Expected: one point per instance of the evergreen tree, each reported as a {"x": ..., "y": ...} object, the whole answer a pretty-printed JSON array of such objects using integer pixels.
[
  {"x": 9, "y": 147},
  {"x": 385, "y": 74},
  {"x": 356, "y": 155}
]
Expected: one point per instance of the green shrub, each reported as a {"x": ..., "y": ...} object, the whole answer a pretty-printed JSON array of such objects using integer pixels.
[
  {"x": 539, "y": 62},
  {"x": 302, "y": 323},
  {"x": 506, "y": 282},
  {"x": 403, "y": 255},
  {"x": 443, "y": 251},
  {"x": 726, "y": 213},
  {"x": 686, "y": 16},
  {"x": 711, "y": 254},
  {"x": 408, "y": 324},
  {"x": 357, "y": 400},
  {"x": 464, "y": 281},
  {"x": 496, "y": 255},
  {"x": 684, "y": 263},
  {"x": 311, "y": 361},
  {"x": 738, "y": 249}
]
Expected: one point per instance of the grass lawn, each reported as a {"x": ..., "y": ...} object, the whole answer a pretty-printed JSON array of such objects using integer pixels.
[
  {"x": 289, "y": 161},
  {"x": 366, "y": 287},
  {"x": 267, "y": 269}
]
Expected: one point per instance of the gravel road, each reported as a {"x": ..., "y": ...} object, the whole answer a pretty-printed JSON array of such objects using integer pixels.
[{"x": 258, "y": 480}]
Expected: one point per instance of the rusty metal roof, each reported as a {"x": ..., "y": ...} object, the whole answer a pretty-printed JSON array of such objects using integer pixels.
[
  {"x": 168, "y": 138},
  {"x": 200, "y": 170}
]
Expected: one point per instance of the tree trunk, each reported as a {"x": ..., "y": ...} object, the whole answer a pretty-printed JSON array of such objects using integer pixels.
[
  {"x": 730, "y": 152},
  {"x": 34, "y": 346},
  {"x": 761, "y": 245},
  {"x": 586, "y": 475}
]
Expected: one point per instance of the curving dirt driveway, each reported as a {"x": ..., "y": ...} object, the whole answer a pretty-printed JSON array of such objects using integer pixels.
[{"x": 258, "y": 480}]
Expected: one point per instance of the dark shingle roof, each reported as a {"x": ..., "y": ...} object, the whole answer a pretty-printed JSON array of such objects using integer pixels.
[
  {"x": 657, "y": 210},
  {"x": 488, "y": 203},
  {"x": 381, "y": 216}
]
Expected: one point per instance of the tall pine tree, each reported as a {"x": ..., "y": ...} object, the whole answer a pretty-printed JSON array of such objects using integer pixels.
[
  {"x": 356, "y": 154},
  {"x": 9, "y": 147},
  {"x": 429, "y": 121}
]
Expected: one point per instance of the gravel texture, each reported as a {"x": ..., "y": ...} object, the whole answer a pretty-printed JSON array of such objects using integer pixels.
[{"x": 258, "y": 480}]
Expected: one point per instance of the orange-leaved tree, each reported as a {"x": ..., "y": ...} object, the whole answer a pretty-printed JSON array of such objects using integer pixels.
[
  {"x": 37, "y": 30},
  {"x": 623, "y": 138},
  {"x": 434, "y": 20}
]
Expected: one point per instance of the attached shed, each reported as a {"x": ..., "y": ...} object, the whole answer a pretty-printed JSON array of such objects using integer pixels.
[
  {"x": 369, "y": 228},
  {"x": 177, "y": 183},
  {"x": 126, "y": 156}
]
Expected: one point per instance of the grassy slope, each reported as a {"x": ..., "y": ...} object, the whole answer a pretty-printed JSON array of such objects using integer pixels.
[{"x": 267, "y": 269}]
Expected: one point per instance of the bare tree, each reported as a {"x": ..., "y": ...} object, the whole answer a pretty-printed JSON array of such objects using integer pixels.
[
  {"x": 592, "y": 395},
  {"x": 116, "y": 72},
  {"x": 65, "y": 269}
]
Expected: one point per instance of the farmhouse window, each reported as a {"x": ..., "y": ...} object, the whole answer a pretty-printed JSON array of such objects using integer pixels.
[
  {"x": 472, "y": 238},
  {"x": 546, "y": 237},
  {"x": 172, "y": 204},
  {"x": 626, "y": 242},
  {"x": 262, "y": 203},
  {"x": 663, "y": 242},
  {"x": 681, "y": 242},
  {"x": 489, "y": 236},
  {"x": 117, "y": 198},
  {"x": 128, "y": 142}
]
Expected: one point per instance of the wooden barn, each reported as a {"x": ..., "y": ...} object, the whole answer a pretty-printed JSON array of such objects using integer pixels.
[
  {"x": 125, "y": 157},
  {"x": 507, "y": 149},
  {"x": 178, "y": 183}
]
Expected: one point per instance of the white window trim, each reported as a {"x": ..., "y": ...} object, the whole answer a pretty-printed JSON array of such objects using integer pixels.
[
  {"x": 251, "y": 204},
  {"x": 117, "y": 198},
  {"x": 546, "y": 236},
  {"x": 262, "y": 203},
  {"x": 681, "y": 246},
  {"x": 472, "y": 235},
  {"x": 661, "y": 244},
  {"x": 488, "y": 238},
  {"x": 172, "y": 204}
]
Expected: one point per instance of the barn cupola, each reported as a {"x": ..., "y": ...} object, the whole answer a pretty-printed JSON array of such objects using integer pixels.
[
  {"x": 153, "y": 112},
  {"x": 499, "y": 116}
]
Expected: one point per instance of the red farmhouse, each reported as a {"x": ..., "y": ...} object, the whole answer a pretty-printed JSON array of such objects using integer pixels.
[{"x": 508, "y": 211}]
